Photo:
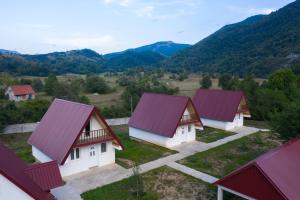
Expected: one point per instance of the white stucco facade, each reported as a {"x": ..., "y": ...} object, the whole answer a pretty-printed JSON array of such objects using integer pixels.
[
  {"x": 10, "y": 191},
  {"x": 89, "y": 156},
  {"x": 181, "y": 136},
  {"x": 237, "y": 122},
  {"x": 184, "y": 133},
  {"x": 13, "y": 97}
]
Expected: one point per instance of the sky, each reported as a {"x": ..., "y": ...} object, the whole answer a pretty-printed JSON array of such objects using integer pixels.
[{"x": 35, "y": 26}]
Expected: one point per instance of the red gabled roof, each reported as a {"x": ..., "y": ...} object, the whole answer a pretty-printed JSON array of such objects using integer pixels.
[
  {"x": 159, "y": 113},
  {"x": 14, "y": 169},
  {"x": 221, "y": 105},
  {"x": 22, "y": 89},
  {"x": 46, "y": 175},
  {"x": 279, "y": 168},
  {"x": 59, "y": 128}
]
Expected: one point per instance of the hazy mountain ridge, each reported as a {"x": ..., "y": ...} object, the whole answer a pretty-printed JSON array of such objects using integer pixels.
[{"x": 257, "y": 45}]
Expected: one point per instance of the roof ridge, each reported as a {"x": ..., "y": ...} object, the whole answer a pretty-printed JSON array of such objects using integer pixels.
[{"x": 74, "y": 102}]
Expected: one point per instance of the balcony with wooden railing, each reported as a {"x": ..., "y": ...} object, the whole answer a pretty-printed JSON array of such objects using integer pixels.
[
  {"x": 94, "y": 136},
  {"x": 188, "y": 119}
]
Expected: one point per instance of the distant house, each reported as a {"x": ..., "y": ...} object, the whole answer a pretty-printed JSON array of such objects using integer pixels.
[
  {"x": 221, "y": 109},
  {"x": 20, "y": 92},
  {"x": 76, "y": 136},
  {"x": 274, "y": 175},
  {"x": 165, "y": 120},
  {"x": 27, "y": 182}
]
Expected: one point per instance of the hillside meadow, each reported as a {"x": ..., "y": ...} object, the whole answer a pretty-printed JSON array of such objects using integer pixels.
[{"x": 187, "y": 87}]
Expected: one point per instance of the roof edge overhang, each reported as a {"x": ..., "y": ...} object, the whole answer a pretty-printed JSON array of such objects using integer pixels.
[{"x": 93, "y": 111}]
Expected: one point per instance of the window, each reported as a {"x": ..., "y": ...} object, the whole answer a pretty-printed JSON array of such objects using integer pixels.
[
  {"x": 75, "y": 154},
  {"x": 103, "y": 147},
  {"x": 92, "y": 151},
  {"x": 189, "y": 128}
]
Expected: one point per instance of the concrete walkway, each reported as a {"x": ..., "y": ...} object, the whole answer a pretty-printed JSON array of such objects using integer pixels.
[
  {"x": 199, "y": 175},
  {"x": 100, "y": 176}
]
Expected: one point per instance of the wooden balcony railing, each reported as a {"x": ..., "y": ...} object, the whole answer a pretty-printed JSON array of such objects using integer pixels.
[
  {"x": 94, "y": 136},
  {"x": 188, "y": 119}
]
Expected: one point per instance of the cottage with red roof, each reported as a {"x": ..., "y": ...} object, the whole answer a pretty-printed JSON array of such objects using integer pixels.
[
  {"x": 221, "y": 109},
  {"x": 274, "y": 175},
  {"x": 20, "y": 92},
  {"x": 27, "y": 182},
  {"x": 76, "y": 136},
  {"x": 165, "y": 120}
]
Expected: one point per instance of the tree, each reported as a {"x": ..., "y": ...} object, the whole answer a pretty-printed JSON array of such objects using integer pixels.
[
  {"x": 206, "y": 82},
  {"x": 50, "y": 83},
  {"x": 24, "y": 81},
  {"x": 96, "y": 84},
  {"x": 224, "y": 81},
  {"x": 138, "y": 183},
  {"x": 287, "y": 122},
  {"x": 284, "y": 80},
  {"x": 37, "y": 85}
]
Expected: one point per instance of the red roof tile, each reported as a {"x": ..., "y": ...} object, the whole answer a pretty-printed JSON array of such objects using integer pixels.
[
  {"x": 14, "y": 169},
  {"x": 279, "y": 168},
  {"x": 22, "y": 89},
  {"x": 46, "y": 175},
  {"x": 159, "y": 113},
  {"x": 221, "y": 105},
  {"x": 60, "y": 127}
]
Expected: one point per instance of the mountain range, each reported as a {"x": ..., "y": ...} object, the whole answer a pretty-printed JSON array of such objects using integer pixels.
[
  {"x": 258, "y": 45},
  {"x": 86, "y": 60}
]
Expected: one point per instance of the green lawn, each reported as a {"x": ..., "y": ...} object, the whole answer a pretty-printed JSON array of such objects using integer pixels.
[
  {"x": 222, "y": 160},
  {"x": 18, "y": 143},
  {"x": 137, "y": 152},
  {"x": 212, "y": 134},
  {"x": 160, "y": 183}
]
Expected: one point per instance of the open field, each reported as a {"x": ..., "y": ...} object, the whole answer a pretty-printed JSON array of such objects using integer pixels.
[
  {"x": 212, "y": 134},
  {"x": 137, "y": 152},
  {"x": 222, "y": 160},
  {"x": 18, "y": 143},
  {"x": 161, "y": 183},
  {"x": 186, "y": 87}
]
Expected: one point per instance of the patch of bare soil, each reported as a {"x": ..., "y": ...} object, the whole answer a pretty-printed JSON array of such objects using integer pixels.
[
  {"x": 126, "y": 162},
  {"x": 170, "y": 184}
]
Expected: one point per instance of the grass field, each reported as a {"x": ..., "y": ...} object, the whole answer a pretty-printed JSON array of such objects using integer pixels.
[
  {"x": 186, "y": 87},
  {"x": 161, "y": 183},
  {"x": 137, "y": 152},
  {"x": 224, "y": 159},
  {"x": 212, "y": 134},
  {"x": 18, "y": 143}
]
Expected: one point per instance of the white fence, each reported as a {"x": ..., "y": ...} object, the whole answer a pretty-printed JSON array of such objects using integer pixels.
[{"x": 30, "y": 127}]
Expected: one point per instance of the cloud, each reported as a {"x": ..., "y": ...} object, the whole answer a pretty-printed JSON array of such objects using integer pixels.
[
  {"x": 250, "y": 11},
  {"x": 145, "y": 11},
  {"x": 123, "y": 3},
  {"x": 256, "y": 11},
  {"x": 101, "y": 43}
]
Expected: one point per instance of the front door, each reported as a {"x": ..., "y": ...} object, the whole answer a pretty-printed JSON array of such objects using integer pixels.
[{"x": 93, "y": 159}]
